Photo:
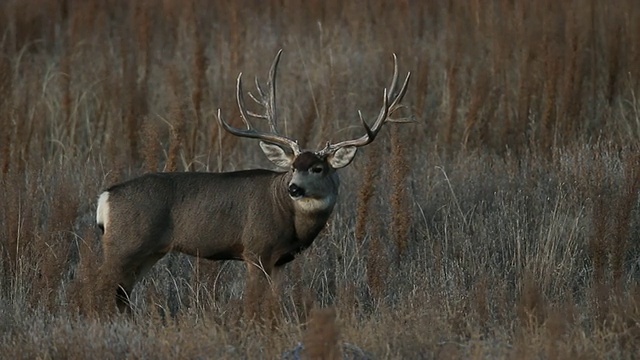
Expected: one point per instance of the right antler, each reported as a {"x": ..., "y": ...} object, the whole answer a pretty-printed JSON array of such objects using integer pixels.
[
  {"x": 390, "y": 103},
  {"x": 268, "y": 101}
]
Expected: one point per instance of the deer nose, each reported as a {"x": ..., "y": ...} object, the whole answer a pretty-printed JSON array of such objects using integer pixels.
[{"x": 295, "y": 191}]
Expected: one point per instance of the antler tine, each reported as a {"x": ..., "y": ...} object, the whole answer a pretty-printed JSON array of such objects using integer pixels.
[
  {"x": 258, "y": 100},
  {"x": 394, "y": 78},
  {"x": 240, "y": 99},
  {"x": 390, "y": 103},
  {"x": 394, "y": 83},
  {"x": 260, "y": 91},
  {"x": 271, "y": 83},
  {"x": 250, "y": 132},
  {"x": 268, "y": 100}
]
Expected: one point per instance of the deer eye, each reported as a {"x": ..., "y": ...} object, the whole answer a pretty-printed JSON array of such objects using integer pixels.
[{"x": 317, "y": 169}]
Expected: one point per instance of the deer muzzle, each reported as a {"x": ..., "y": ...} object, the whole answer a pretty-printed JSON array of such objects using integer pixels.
[{"x": 295, "y": 191}]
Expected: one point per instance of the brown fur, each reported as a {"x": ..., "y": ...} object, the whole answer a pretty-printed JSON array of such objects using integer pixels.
[
  {"x": 306, "y": 160},
  {"x": 244, "y": 215}
]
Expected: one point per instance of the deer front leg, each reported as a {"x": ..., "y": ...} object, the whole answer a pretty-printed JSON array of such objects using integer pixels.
[{"x": 261, "y": 297}]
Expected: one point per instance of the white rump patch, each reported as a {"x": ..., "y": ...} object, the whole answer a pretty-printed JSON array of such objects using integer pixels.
[
  {"x": 311, "y": 205},
  {"x": 102, "y": 212}
]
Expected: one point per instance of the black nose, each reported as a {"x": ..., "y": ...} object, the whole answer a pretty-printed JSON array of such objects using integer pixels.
[{"x": 295, "y": 190}]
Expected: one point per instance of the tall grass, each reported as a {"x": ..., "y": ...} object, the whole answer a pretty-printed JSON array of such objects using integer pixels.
[{"x": 504, "y": 222}]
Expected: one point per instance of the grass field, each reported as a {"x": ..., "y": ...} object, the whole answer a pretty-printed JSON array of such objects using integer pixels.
[{"x": 503, "y": 223}]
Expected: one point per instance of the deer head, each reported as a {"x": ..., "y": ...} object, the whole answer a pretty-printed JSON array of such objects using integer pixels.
[{"x": 309, "y": 167}]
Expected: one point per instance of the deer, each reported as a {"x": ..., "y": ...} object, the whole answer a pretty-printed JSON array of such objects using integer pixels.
[{"x": 262, "y": 217}]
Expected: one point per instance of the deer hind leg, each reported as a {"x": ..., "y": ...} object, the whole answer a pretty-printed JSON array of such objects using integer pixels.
[
  {"x": 124, "y": 285},
  {"x": 130, "y": 274},
  {"x": 114, "y": 283},
  {"x": 124, "y": 275},
  {"x": 124, "y": 265}
]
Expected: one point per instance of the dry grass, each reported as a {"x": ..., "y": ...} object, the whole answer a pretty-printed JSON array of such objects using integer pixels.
[{"x": 503, "y": 223}]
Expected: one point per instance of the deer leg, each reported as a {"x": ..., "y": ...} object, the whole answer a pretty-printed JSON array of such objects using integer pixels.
[
  {"x": 276, "y": 281},
  {"x": 252, "y": 291},
  {"x": 274, "y": 304},
  {"x": 127, "y": 257},
  {"x": 119, "y": 276},
  {"x": 115, "y": 280},
  {"x": 122, "y": 268},
  {"x": 123, "y": 290},
  {"x": 131, "y": 273},
  {"x": 258, "y": 292}
]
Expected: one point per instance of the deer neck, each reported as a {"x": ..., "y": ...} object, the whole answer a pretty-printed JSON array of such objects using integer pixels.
[{"x": 310, "y": 215}]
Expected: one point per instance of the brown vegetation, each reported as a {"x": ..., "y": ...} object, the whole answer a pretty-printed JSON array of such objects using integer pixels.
[{"x": 504, "y": 223}]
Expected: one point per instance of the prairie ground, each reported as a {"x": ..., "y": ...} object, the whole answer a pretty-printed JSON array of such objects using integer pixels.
[{"x": 503, "y": 222}]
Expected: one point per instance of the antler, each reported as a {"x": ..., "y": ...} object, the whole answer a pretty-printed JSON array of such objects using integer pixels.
[
  {"x": 390, "y": 103},
  {"x": 266, "y": 100}
]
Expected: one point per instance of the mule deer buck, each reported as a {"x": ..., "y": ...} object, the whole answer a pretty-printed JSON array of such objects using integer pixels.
[{"x": 258, "y": 216}]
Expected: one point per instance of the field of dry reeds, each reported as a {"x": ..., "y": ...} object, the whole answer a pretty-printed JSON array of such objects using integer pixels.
[{"x": 504, "y": 222}]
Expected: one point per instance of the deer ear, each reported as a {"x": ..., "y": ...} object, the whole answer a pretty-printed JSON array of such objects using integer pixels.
[
  {"x": 342, "y": 157},
  {"x": 277, "y": 155}
]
